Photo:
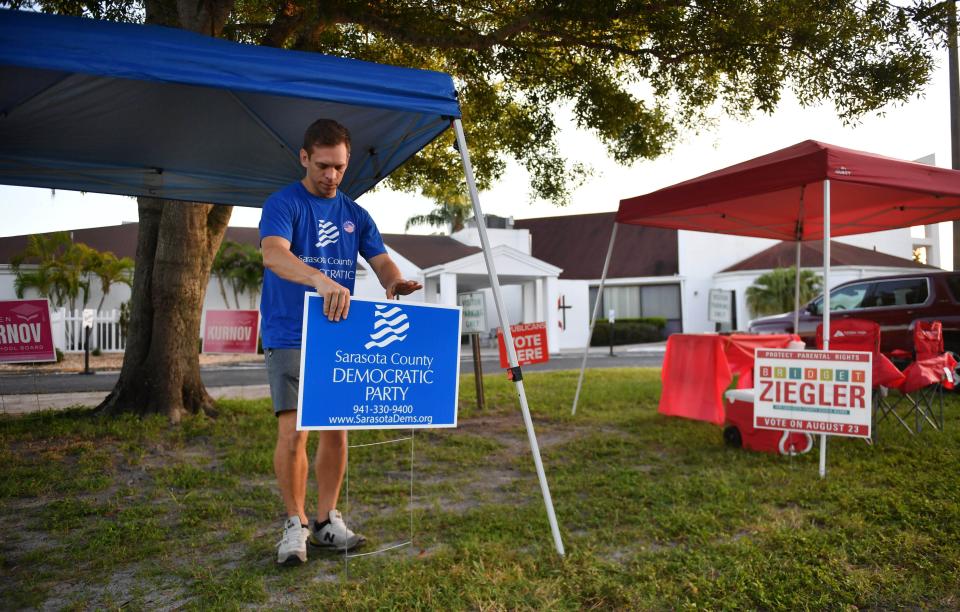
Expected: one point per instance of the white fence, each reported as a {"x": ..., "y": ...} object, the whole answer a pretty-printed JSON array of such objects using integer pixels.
[{"x": 106, "y": 334}]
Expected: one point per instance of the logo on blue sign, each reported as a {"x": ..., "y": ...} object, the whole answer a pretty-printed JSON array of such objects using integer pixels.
[{"x": 389, "y": 324}]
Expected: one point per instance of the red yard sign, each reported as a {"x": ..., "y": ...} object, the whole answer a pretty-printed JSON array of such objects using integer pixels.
[
  {"x": 231, "y": 331},
  {"x": 530, "y": 342},
  {"x": 25, "y": 332}
]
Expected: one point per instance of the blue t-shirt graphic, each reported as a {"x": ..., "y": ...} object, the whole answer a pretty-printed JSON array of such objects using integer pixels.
[{"x": 326, "y": 234}]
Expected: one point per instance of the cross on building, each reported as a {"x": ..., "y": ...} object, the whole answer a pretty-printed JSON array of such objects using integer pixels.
[{"x": 562, "y": 307}]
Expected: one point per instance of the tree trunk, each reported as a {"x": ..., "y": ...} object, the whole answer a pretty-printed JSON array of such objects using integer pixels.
[
  {"x": 176, "y": 245},
  {"x": 161, "y": 367}
]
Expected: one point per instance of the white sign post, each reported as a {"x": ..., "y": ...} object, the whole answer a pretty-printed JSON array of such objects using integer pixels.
[
  {"x": 473, "y": 321},
  {"x": 611, "y": 318},
  {"x": 474, "y": 313},
  {"x": 816, "y": 392},
  {"x": 88, "y": 315},
  {"x": 720, "y": 309}
]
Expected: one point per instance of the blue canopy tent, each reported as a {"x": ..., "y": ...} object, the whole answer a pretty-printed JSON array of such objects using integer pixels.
[
  {"x": 146, "y": 110},
  {"x": 151, "y": 111}
]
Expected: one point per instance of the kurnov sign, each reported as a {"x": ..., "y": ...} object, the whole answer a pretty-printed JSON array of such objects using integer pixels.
[
  {"x": 230, "y": 331},
  {"x": 25, "y": 331},
  {"x": 389, "y": 365}
]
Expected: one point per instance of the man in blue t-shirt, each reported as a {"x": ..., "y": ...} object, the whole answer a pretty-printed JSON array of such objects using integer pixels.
[{"x": 310, "y": 235}]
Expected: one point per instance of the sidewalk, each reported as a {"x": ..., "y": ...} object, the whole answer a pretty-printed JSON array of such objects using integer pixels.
[{"x": 27, "y": 403}]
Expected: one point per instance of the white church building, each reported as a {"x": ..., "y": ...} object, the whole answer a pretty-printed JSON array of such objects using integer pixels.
[{"x": 550, "y": 269}]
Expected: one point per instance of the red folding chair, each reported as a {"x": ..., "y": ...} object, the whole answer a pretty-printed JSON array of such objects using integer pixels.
[
  {"x": 863, "y": 335},
  {"x": 932, "y": 371}
]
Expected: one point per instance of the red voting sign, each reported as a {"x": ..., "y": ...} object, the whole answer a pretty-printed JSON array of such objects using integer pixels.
[
  {"x": 25, "y": 331},
  {"x": 231, "y": 331},
  {"x": 530, "y": 342}
]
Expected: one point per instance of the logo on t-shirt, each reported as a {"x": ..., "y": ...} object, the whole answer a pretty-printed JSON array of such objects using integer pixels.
[
  {"x": 327, "y": 233},
  {"x": 388, "y": 324},
  {"x": 349, "y": 227}
]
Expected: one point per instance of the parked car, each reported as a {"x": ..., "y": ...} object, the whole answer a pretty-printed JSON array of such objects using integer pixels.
[{"x": 895, "y": 302}]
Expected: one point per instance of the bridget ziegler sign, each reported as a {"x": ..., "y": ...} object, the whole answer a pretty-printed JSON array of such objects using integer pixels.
[{"x": 817, "y": 392}]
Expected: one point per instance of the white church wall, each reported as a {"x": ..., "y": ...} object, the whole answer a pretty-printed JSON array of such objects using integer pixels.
[
  {"x": 701, "y": 256},
  {"x": 367, "y": 285},
  {"x": 892, "y": 242},
  {"x": 518, "y": 239},
  {"x": 576, "y": 296}
]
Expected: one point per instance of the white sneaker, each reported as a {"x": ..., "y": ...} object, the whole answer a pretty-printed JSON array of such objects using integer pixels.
[
  {"x": 292, "y": 547},
  {"x": 333, "y": 534}
]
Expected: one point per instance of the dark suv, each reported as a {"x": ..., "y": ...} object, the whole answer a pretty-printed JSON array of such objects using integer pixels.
[{"x": 895, "y": 302}]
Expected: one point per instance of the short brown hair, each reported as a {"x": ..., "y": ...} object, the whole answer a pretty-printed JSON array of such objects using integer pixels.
[{"x": 325, "y": 133}]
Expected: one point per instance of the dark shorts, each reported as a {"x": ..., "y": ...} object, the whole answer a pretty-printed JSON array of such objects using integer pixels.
[{"x": 283, "y": 372}]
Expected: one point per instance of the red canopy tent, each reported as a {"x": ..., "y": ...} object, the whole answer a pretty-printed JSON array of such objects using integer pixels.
[
  {"x": 809, "y": 191},
  {"x": 780, "y": 196}
]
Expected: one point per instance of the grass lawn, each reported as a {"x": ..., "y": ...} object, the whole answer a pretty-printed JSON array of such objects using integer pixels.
[{"x": 655, "y": 512}]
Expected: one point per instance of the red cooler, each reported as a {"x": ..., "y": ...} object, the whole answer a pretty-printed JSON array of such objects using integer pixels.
[{"x": 740, "y": 432}]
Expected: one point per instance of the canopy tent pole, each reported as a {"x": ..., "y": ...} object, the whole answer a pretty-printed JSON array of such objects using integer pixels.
[
  {"x": 796, "y": 287},
  {"x": 593, "y": 318},
  {"x": 826, "y": 303},
  {"x": 507, "y": 336},
  {"x": 796, "y": 293}
]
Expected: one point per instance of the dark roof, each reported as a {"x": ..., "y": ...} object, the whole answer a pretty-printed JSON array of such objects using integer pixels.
[
  {"x": 578, "y": 244},
  {"x": 429, "y": 251},
  {"x": 121, "y": 240},
  {"x": 784, "y": 255},
  {"x": 424, "y": 251}
]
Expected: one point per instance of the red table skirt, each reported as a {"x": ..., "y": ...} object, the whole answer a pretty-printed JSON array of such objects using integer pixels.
[{"x": 697, "y": 368}]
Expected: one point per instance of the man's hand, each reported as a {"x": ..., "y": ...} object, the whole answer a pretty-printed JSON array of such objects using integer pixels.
[
  {"x": 336, "y": 297},
  {"x": 402, "y": 287}
]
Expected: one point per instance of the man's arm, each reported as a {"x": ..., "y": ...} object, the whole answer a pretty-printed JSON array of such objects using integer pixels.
[
  {"x": 278, "y": 258},
  {"x": 390, "y": 277}
]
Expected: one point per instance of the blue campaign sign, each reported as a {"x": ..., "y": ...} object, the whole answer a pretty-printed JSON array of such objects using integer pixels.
[{"x": 388, "y": 365}]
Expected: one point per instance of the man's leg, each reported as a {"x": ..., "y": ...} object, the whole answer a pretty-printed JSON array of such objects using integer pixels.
[
  {"x": 290, "y": 464},
  {"x": 329, "y": 531},
  {"x": 329, "y": 467},
  {"x": 290, "y": 455}
]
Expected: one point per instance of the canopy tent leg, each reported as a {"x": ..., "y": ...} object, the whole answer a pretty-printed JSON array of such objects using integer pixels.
[
  {"x": 796, "y": 284},
  {"x": 796, "y": 293},
  {"x": 826, "y": 303},
  {"x": 507, "y": 336},
  {"x": 593, "y": 318}
]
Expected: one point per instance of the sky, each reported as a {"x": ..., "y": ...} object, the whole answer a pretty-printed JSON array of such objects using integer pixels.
[{"x": 909, "y": 131}]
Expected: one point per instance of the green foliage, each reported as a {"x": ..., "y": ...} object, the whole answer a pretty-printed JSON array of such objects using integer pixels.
[
  {"x": 241, "y": 267},
  {"x": 450, "y": 214},
  {"x": 634, "y": 73},
  {"x": 110, "y": 270},
  {"x": 62, "y": 270},
  {"x": 629, "y": 331},
  {"x": 656, "y": 512},
  {"x": 773, "y": 292}
]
